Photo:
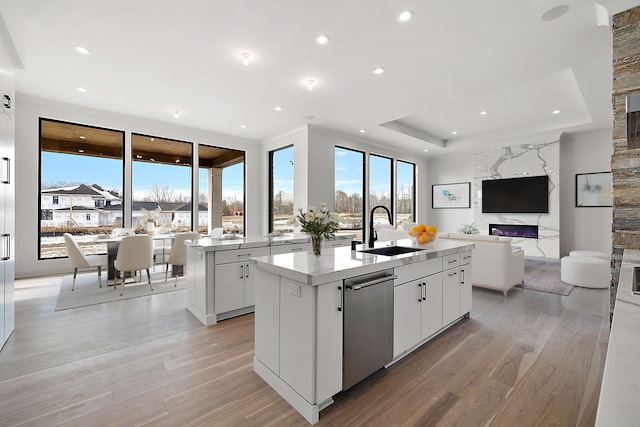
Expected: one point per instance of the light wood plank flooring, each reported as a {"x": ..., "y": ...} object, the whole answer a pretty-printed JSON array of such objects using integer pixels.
[{"x": 533, "y": 359}]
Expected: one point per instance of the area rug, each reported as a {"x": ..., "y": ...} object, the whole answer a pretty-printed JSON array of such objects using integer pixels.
[
  {"x": 544, "y": 276},
  {"x": 88, "y": 292}
]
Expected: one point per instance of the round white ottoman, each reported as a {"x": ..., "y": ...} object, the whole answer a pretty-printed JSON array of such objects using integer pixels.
[
  {"x": 592, "y": 254},
  {"x": 584, "y": 271}
]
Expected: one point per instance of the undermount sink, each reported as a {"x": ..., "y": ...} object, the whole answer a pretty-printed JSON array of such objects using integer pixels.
[{"x": 390, "y": 250}]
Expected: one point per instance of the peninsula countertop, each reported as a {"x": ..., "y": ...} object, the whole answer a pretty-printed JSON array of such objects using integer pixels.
[
  {"x": 618, "y": 405},
  {"x": 342, "y": 263},
  {"x": 211, "y": 245}
]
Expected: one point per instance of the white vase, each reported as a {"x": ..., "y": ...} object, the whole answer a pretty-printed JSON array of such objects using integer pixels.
[{"x": 150, "y": 227}]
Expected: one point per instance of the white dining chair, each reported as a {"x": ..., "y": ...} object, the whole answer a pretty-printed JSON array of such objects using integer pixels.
[
  {"x": 178, "y": 255},
  {"x": 134, "y": 253},
  {"x": 216, "y": 233},
  {"x": 160, "y": 247},
  {"x": 78, "y": 259}
]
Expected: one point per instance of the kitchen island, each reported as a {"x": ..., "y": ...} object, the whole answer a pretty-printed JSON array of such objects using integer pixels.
[
  {"x": 219, "y": 278},
  {"x": 301, "y": 319}
]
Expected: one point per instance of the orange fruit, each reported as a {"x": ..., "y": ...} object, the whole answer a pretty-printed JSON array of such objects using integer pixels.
[
  {"x": 422, "y": 227},
  {"x": 431, "y": 230},
  {"x": 424, "y": 238}
]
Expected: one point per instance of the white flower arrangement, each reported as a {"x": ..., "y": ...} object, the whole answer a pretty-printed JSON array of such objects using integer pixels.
[
  {"x": 150, "y": 216},
  {"x": 324, "y": 223}
]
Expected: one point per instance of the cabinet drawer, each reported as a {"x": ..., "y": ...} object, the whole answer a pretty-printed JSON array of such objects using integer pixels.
[
  {"x": 417, "y": 270},
  {"x": 236, "y": 255},
  {"x": 465, "y": 257},
  {"x": 337, "y": 243},
  {"x": 291, "y": 248},
  {"x": 450, "y": 261}
]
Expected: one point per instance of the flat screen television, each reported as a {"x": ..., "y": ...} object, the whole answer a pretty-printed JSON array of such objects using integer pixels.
[{"x": 516, "y": 195}]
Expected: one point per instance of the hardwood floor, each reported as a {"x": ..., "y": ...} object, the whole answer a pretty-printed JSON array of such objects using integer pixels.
[{"x": 533, "y": 359}]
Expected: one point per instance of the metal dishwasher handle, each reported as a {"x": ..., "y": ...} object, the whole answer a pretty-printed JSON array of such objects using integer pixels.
[{"x": 372, "y": 282}]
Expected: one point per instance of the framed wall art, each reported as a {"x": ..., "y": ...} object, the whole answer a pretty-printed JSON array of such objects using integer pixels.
[
  {"x": 594, "y": 189},
  {"x": 451, "y": 196}
]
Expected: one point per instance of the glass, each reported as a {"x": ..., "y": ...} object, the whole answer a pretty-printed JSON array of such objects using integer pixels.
[
  {"x": 405, "y": 192},
  {"x": 349, "y": 186},
  {"x": 281, "y": 190}
]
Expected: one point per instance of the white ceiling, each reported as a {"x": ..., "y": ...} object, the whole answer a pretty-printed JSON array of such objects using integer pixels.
[{"x": 454, "y": 59}]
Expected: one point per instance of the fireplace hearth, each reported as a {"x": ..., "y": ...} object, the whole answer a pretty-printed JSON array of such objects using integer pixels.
[{"x": 514, "y": 230}]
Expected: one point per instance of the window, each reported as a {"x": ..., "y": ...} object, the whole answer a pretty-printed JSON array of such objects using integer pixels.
[
  {"x": 405, "y": 192},
  {"x": 161, "y": 180},
  {"x": 88, "y": 218},
  {"x": 78, "y": 165},
  {"x": 221, "y": 188},
  {"x": 281, "y": 189},
  {"x": 380, "y": 187},
  {"x": 349, "y": 178}
]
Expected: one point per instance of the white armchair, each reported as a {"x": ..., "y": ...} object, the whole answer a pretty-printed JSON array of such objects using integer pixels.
[{"x": 78, "y": 259}]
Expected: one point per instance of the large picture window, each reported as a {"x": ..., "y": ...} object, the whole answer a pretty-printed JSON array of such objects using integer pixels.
[
  {"x": 222, "y": 188},
  {"x": 81, "y": 193},
  {"x": 161, "y": 180},
  {"x": 405, "y": 192},
  {"x": 281, "y": 190},
  {"x": 349, "y": 178}
]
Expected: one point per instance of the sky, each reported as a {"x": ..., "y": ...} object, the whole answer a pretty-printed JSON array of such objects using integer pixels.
[{"x": 108, "y": 174}]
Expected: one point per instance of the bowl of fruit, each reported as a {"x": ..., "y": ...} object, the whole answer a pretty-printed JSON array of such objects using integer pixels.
[{"x": 423, "y": 234}]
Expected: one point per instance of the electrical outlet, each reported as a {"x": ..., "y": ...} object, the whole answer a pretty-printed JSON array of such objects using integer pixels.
[{"x": 294, "y": 289}]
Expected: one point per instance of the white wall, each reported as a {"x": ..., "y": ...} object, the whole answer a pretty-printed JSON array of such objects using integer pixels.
[
  {"x": 28, "y": 112},
  {"x": 450, "y": 170},
  {"x": 584, "y": 228}
]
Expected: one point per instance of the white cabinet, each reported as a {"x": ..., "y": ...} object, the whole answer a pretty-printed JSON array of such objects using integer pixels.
[
  {"x": 7, "y": 196},
  {"x": 456, "y": 286},
  {"x": 298, "y": 338},
  {"x": 233, "y": 278},
  {"x": 417, "y": 311}
]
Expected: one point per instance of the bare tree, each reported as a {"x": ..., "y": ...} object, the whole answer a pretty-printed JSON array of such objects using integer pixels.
[
  {"x": 203, "y": 199},
  {"x": 160, "y": 194},
  {"x": 60, "y": 184}
]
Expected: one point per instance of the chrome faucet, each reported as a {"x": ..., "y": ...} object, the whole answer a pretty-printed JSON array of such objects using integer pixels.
[{"x": 373, "y": 235}]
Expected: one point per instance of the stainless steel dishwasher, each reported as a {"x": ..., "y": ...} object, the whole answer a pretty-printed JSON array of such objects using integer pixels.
[{"x": 368, "y": 325}]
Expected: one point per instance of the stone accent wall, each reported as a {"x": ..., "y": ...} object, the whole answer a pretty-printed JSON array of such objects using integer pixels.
[{"x": 625, "y": 163}]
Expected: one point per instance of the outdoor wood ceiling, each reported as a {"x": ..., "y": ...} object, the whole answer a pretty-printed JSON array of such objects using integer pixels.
[{"x": 70, "y": 138}]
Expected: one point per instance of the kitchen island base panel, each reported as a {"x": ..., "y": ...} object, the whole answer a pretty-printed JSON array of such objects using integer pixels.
[
  {"x": 310, "y": 412},
  {"x": 212, "y": 319}
]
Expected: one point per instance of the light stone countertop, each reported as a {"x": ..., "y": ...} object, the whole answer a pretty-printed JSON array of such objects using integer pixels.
[
  {"x": 619, "y": 403},
  {"x": 342, "y": 263},
  {"x": 212, "y": 245}
]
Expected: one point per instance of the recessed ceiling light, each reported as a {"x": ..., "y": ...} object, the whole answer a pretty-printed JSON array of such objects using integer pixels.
[
  {"x": 554, "y": 13},
  {"x": 152, "y": 139},
  {"x": 454, "y": 133},
  {"x": 82, "y": 137},
  {"x": 81, "y": 89},
  {"x": 176, "y": 113},
  {"x": 404, "y": 16},
  {"x": 378, "y": 70},
  {"x": 322, "y": 39},
  {"x": 556, "y": 111},
  {"x": 425, "y": 150},
  {"x": 243, "y": 126},
  {"x": 483, "y": 113},
  {"x": 245, "y": 57},
  {"x": 277, "y": 108},
  {"x": 83, "y": 50},
  {"x": 310, "y": 84},
  {"x": 81, "y": 151},
  {"x": 138, "y": 156},
  {"x": 362, "y": 131}
]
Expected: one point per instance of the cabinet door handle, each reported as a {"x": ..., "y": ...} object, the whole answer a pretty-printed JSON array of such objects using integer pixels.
[
  {"x": 242, "y": 271},
  {"x": 6, "y": 172},
  {"x": 247, "y": 272},
  {"x": 462, "y": 277},
  {"x": 424, "y": 291},
  {"x": 421, "y": 292},
  {"x": 244, "y": 254},
  {"x": 6, "y": 249},
  {"x": 339, "y": 298},
  {"x": 453, "y": 261},
  {"x": 453, "y": 274},
  {"x": 7, "y": 102},
  {"x": 296, "y": 249}
]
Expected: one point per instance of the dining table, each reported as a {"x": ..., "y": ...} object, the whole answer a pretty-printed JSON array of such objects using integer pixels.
[{"x": 113, "y": 243}]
